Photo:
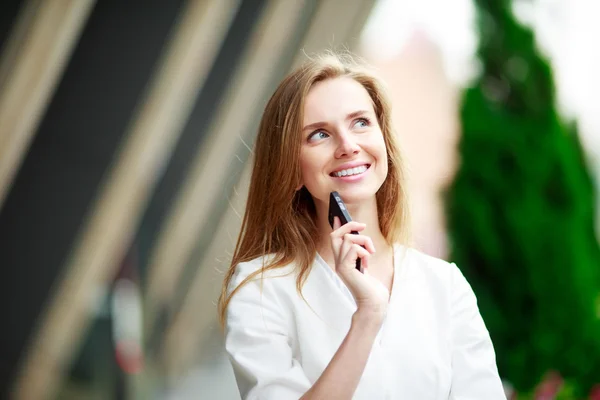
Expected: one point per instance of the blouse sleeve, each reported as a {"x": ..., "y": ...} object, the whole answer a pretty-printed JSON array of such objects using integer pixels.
[
  {"x": 474, "y": 371},
  {"x": 258, "y": 342}
]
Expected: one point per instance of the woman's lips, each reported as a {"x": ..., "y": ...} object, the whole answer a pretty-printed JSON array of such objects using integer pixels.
[
  {"x": 350, "y": 171},
  {"x": 354, "y": 176}
]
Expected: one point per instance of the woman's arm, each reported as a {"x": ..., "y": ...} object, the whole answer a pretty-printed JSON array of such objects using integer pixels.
[
  {"x": 258, "y": 343},
  {"x": 340, "y": 379},
  {"x": 258, "y": 340}
]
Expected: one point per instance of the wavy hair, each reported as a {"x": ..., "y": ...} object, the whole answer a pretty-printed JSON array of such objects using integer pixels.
[{"x": 279, "y": 220}]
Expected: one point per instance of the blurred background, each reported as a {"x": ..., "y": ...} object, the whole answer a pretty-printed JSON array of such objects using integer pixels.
[{"x": 126, "y": 131}]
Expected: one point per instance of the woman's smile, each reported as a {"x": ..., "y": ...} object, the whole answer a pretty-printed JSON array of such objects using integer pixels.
[{"x": 351, "y": 173}]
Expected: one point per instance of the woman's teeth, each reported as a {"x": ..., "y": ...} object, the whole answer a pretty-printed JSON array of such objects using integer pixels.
[{"x": 350, "y": 171}]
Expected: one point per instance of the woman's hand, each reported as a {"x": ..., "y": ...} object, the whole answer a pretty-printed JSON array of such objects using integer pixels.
[{"x": 370, "y": 294}]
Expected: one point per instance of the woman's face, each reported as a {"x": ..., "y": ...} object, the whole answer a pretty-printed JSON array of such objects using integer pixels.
[{"x": 342, "y": 144}]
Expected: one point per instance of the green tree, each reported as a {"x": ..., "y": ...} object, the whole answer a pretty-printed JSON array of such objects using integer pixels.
[{"x": 521, "y": 212}]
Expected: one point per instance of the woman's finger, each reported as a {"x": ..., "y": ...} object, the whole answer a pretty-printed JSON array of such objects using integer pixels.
[
  {"x": 345, "y": 247},
  {"x": 362, "y": 240},
  {"x": 336, "y": 223},
  {"x": 347, "y": 228},
  {"x": 336, "y": 240},
  {"x": 355, "y": 251}
]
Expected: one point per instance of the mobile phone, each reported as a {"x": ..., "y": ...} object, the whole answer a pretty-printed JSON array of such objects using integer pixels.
[{"x": 337, "y": 208}]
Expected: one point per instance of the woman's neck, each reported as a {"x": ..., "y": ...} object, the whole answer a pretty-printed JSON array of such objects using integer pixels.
[{"x": 364, "y": 212}]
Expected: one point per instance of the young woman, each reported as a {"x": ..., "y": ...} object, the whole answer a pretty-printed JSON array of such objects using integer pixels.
[{"x": 300, "y": 320}]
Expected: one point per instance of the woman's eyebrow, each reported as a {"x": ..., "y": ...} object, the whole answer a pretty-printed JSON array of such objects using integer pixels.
[
  {"x": 314, "y": 126},
  {"x": 317, "y": 125},
  {"x": 355, "y": 114}
]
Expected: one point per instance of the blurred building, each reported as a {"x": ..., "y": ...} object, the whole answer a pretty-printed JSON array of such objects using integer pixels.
[{"x": 125, "y": 134}]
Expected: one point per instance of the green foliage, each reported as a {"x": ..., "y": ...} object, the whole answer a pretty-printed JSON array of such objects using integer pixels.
[{"x": 521, "y": 213}]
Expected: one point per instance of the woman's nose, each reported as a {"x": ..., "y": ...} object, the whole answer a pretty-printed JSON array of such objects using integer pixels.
[{"x": 347, "y": 146}]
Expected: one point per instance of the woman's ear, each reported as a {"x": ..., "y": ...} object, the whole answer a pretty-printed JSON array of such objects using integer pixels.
[{"x": 300, "y": 186}]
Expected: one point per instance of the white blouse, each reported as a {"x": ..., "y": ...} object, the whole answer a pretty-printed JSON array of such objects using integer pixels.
[{"x": 432, "y": 345}]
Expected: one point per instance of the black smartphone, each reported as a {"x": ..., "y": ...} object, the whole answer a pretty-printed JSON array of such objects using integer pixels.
[{"x": 337, "y": 208}]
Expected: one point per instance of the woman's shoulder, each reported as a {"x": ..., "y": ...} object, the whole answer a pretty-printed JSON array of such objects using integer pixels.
[
  {"x": 255, "y": 272},
  {"x": 417, "y": 263}
]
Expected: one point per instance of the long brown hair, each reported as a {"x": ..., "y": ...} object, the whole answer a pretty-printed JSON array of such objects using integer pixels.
[{"x": 279, "y": 220}]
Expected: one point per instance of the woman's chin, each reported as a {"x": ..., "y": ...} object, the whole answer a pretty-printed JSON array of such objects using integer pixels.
[
  {"x": 357, "y": 197},
  {"x": 350, "y": 194},
  {"x": 359, "y": 192}
]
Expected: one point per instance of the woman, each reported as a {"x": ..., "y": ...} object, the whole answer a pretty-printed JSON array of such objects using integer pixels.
[{"x": 300, "y": 320}]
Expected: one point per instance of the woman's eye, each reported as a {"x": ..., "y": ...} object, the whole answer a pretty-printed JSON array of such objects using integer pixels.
[
  {"x": 316, "y": 136},
  {"x": 361, "y": 123}
]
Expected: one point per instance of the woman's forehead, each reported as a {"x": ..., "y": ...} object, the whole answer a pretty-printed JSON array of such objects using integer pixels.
[{"x": 335, "y": 98}]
